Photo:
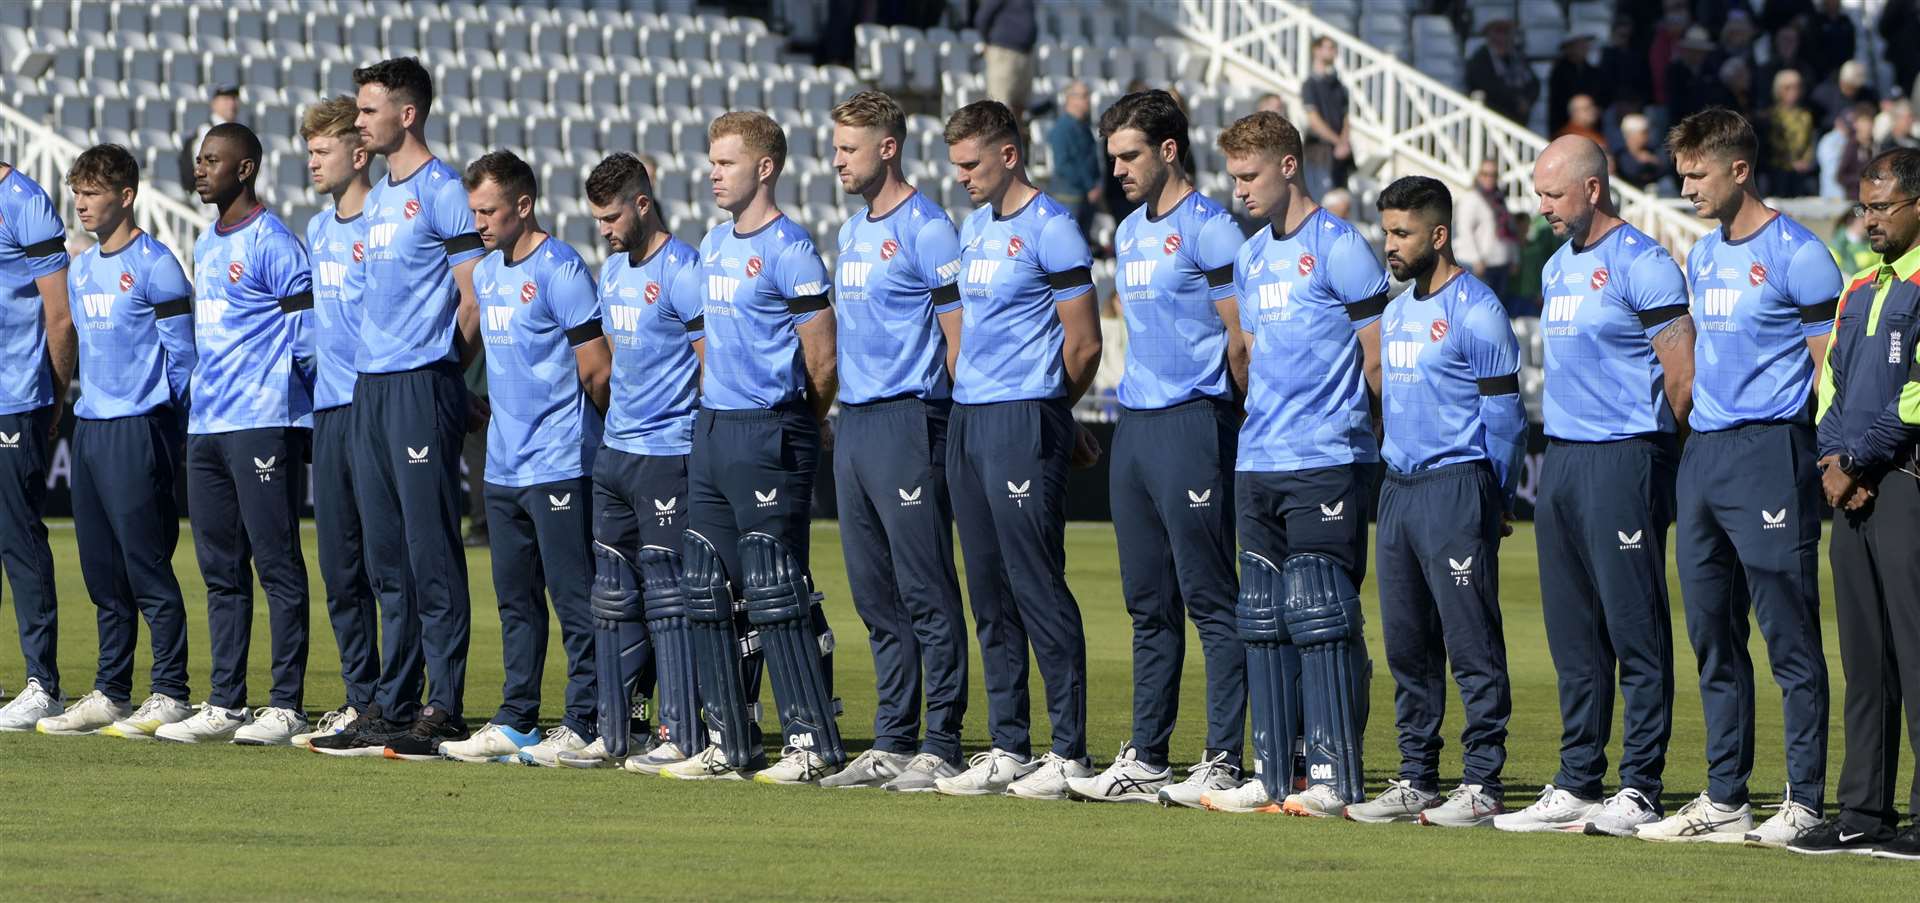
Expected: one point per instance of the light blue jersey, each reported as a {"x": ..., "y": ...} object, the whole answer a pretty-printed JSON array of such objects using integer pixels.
[
  {"x": 133, "y": 313},
  {"x": 533, "y": 312},
  {"x": 652, "y": 312},
  {"x": 418, "y": 229},
  {"x": 1171, "y": 271},
  {"x": 338, "y": 248},
  {"x": 33, "y": 244},
  {"x": 252, "y": 298},
  {"x": 895, "y": 275},
  {"x": 760, "y": 285},
  {"x": 1013, "y": 271},
  {"x": 1303, "y": 296},
  {"x": 1756, "y": 301},
  {"x": 1450, "y": 388},
  {"x": 1604, "y": 305}
]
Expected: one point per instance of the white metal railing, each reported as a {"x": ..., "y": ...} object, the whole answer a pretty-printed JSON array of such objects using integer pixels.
[
  {"x": 41, "y": 153},
  {"x": 1398, "y": 116}
]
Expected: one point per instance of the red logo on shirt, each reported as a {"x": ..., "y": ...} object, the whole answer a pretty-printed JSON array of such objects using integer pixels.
[
  {"x": 1438, "y": 330},
  {"x": 1306, "y": 264},
  {"x": 527, "y": 292},
  {"x": 1757, "y": 275},
  {"x": 1599, "y": 279},
  {"x": 1171, "y": 245},
  {"x": 889, "y": 248},
  {"x": 411, "y": 210},
  {"x": 359, "y": 252},
  {"x": 753, "y": 267},
  {"x": 653, "y": 292},
  {"x": 235, "y": 271},
  {"x": 1014, "y": 245},
  {"x": 126, "y": 281}
]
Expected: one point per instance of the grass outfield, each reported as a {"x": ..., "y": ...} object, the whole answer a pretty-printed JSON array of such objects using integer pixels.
[{"x": 98, "y": 818}]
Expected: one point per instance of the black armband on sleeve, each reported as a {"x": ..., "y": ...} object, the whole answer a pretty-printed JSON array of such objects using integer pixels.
[
  {"x": 1372, "y": 307},
  {"x": 1219, "y": 276},
  {"x": 1651, "y": 318},
  {"x": 461, "y": 244},
  {"x": 46, "y": 248},
  {"x": 1500, "y": 385},
  {"x": 585, "y": 332},
  {"x": 1074, "y": 278},
  {"x": 697, "y": 324},
  {"x": 178, "y": 307},
  {"x": 293, "y": 304},
  {"x": 807, "y": 304},
  {"x": 1820, "y": 313},
  {"x": 946, "y": 294}
]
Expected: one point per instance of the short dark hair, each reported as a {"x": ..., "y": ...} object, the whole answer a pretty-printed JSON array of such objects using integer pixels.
[
  {"x": 988, "y": 120},
  {"x": 249, "y": 142},
  {"x": 621, "y": 176},
  {"x": 1155, "y": 113},
  {"x": 1717, "y": 131},
  {"x": 109, "y": 166},
  {"x": 403, "y": 77},
  {"x": 1419, "y": 194},
  {"x": 511, "y": 173},
  {"x": 1901, "y": 164}
]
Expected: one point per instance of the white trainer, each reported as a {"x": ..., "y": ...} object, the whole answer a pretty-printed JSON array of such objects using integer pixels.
[
  {"x": 1127, "y": 780},
  {"x": 93, "y": 712},
  {"x": 330, "y": 723},
  {"x": 1401, "y": 801},
  {"x": 1787, "y": 825},
  {"x": 922, "y": 774},
  {"x": 796, "y": 766},
  {"x": 1318, "y": 801},
  {"x": 1210, "y": 773},
  {"x": 1468, "y": 806},
  {"x": 873, "y": 768},
  {"x": 1251, "y": 796},
  {"x": 546, "y": 753},
  {"x": 1554, "y": 810},
  {"x": 1621, "y": 813},
  {"x": 710, "y": 765},
  {"x": 493, "y": 743},
  {"x": 24, "y": 712},
  {"x": 593, "y": 755},
  {"x": 651, "y": 761},
  {"x": 1700, "y": 821},
  {"x": 157, "y": 712},
  {"x": 211, "y": 724},
  {"x": 1049, "y": 780},
  {"x": 271, "y": 727},
  {"x": 988, "y": 774}
]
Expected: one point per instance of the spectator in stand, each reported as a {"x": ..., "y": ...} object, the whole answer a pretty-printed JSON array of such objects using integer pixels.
[
  {"x": 1583, "y": 119},
  {"x": 1849, "y": 242},
  {"x": 1484, "y": 238},
  {"x": 1899, "y": 26},
  {"x": 1893, "y": 127},
  {"x": 1847, "y": 86},
  {"x": 1790, "y": 136},
  {"x": 1859, "y": 149},
  {"x": 1077, "y": 175},
  {"x": 1536, "y": 248},
  {"x": 1734, "y": 90},
  {"x": 1624, "y": 70},
  {"x": 1830, "y": 151},
  {"x": 1640, "y": 162},
  {"x": 1573, "y": 75},
  {"x": 1665, "y": 51},
  {"x": 1736, "y": 39},
  {"x": 1008, "y": 29},
  {"x": 1785, "y": 54},
  {"x": 1499, "y": 73},
  {"x": 1690, "y": 82},
  {"x": 1325, "y": 98},
  {"x": 223, "y": 106},
  {"x": 1270, "y": 103},
  {"x": 1829, "y": 37}
]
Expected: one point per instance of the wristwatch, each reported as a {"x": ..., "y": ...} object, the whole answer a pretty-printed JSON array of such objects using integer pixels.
[{"x": 1848, "y": 465}]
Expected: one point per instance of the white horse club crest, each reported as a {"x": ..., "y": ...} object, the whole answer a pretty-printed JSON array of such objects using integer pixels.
[
  {"x": 1306, "y": 264},
  {"x": 411, "y": 210},
  {"x": 527, "y": 291},
  {"x": 1014, "y": 245},
  {"x": 1171, "y": 245},
  {"x": 889, "y": 248},
  {"x": 126, "y": 281},
  {"x": 1757, "y": 275},
  {"x": 653, "y": 292},
  {"x": 1437, "y": 331},
  {"x": 753, "y": 267},
  {"x": 1599, "y": 279},
  {"x": 235, "y": 271}
]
